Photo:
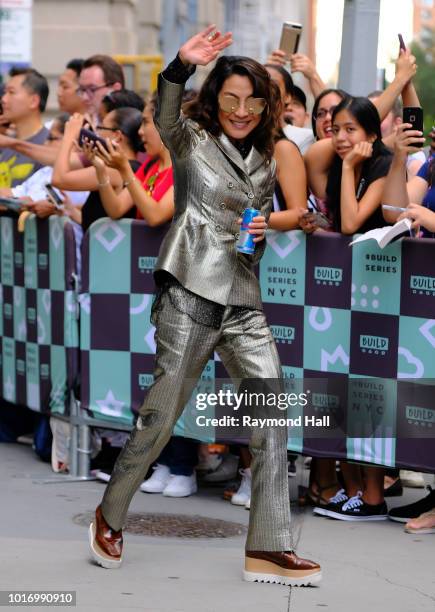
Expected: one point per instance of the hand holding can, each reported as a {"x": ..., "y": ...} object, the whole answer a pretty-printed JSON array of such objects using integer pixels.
[{"x": 245, "y": 243}]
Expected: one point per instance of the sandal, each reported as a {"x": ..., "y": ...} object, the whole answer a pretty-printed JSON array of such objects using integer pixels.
[{"x": 308, "y": 497}]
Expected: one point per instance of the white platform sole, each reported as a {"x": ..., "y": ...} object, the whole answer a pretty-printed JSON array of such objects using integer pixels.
[
  {"x": 286, "y": 580},
  {"x": 98, "y": 555}
]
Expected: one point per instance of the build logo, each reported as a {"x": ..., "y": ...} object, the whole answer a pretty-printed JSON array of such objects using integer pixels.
[
  {"x": 328, "y": 276},
  {"x": 324, "y": 400},
  {"x": 146, "y": 264},
  {"x": 44, "y": 371},
  {"x": 145, "y": 380},
  {"x": 422, "y": 285},
  {"x": 373, "y": 345},
  {"x": 420, "y": 417},
  {"x": 283, "y": 334},
  {"x": 43, "y": 261},
  {"x": 7, "y": 309},
  {"x": 31, "y": 315}
]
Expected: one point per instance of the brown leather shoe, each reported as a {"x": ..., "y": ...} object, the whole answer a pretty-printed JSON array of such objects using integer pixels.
[
  {"x": 105, "y": 543},
  {"x": 281, "y": 568}
]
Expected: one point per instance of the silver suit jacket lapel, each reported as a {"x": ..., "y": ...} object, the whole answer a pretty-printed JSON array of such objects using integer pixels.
[{"x": 248, "y": 165}]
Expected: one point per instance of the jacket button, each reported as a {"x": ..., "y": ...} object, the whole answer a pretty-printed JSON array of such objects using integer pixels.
[
  {"x": 231, "y": 185},
  {"x": 237, "y": 236},
  {"x": 218, "y": 228},
  {"x": 222, "y": 205},
  {"x": 250, "y": 195}
]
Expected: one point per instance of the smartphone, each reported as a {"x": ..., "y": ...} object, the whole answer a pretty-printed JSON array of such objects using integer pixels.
[
  {"x": 401, "y": 42},
  {"x": 414, "y": 115},
  {"x": 319, "y": 219},
  {"x": 54, "y": 197},
  {"x": 14, "y": 204},
  {"x": 91, "y": 136},
  {"x": 290, "y": 37}
]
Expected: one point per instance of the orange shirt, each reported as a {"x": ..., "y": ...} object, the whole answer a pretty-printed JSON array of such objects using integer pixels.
[{"x": 156, "y": 183}]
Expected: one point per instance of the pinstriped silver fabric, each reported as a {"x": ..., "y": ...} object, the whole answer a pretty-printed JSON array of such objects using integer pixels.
[
  {"x": 213, "y": 186},
  {"x": 247, "y": 349}
]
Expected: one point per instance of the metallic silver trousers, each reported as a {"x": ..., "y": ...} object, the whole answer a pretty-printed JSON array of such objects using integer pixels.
[{"x": 247, "y": 349}]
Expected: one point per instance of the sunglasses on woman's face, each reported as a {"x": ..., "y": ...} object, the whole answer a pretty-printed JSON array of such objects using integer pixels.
[{"x": 229, "y": 104}]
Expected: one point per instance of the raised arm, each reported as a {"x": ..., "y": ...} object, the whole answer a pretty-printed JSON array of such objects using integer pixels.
[
  {"x": 201, "y": 49},
  {"x": 84, "y": 179},
  {"x": 405, "y": 70},
  {"x": 299, "y": 63},
  {"x": 397, "y": 192},
  {"x": 302, "y": 63},
  {"x": 43, "y": 154}
]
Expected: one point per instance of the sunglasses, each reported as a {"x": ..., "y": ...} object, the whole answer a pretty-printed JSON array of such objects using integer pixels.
[{"x": 229, "y": 104}]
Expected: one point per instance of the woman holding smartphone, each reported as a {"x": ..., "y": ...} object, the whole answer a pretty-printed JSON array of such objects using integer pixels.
[
  {"x": 209, "y": 297},
  {"x": 416, "y": 195},
  {"x": 121, "y": 126}
]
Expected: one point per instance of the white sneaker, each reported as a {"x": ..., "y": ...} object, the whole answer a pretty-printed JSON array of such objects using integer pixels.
[
  {"x": 158, "y": 481},
  {"x": 103, "y": 476},
  {"x": 181, "y": 486},
  {"x": 412, "y": 479},
  {"x": 243, "y": 495}
]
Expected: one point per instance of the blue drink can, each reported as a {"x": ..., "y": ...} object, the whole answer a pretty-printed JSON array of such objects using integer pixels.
[{"x": 245, "y": 243}]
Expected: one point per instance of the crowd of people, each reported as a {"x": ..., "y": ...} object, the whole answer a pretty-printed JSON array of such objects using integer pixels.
[{"x": 335, "y": 167}]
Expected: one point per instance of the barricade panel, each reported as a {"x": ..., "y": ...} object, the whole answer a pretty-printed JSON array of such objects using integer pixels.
[
  {"x": 39, "y": 322},
  {"x": 360, "y": 317}
]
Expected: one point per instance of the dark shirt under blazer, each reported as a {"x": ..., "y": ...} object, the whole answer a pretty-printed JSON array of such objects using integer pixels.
[{"x": 213, "y": 185}]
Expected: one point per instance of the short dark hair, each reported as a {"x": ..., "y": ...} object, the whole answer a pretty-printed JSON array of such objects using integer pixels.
[
  {"x": 112, "y": 71},
  {"x": 123, "y": 98},
  {"x": 34, "y": 82},
  {"x": 128, "y": 121},
  {"x": 288, "y": 81},
  {"x": 76, "y": 65},
  {"x": 300, "y": 96},
  {"x": 204, "y": 108}
]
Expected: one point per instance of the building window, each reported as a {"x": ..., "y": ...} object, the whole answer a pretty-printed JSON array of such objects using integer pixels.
[
  {"x": 426, "y": 15},
  {"x": 427, "y": 3}
]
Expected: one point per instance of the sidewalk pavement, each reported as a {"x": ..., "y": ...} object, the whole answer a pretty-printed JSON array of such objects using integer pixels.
[{"x": 366, "y": 567}]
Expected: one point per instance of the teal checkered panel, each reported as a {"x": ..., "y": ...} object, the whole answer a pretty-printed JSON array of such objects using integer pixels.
[{"x": 39, "y": 318}]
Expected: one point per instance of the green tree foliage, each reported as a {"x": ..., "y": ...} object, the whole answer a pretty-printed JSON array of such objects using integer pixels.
[{"x": 424, "y": 51}]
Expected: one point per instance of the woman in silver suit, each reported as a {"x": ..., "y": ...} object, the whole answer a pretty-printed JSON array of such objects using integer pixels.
[{"x": 208, "y": 296}]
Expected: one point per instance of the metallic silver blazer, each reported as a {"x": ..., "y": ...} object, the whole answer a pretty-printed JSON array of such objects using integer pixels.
[{"x": 213, "y": 185}]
